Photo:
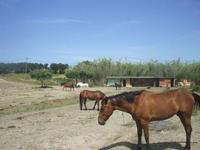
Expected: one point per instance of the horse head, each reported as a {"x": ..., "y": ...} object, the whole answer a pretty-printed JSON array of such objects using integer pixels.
[
  {"x": 123, "y": 102},
  {"x": 105, "y": 111}
]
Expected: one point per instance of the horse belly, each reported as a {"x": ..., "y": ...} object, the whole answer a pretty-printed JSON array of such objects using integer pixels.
[
  {"x": 92, "y": 97},
  {"x": 161, "y": 116},
  {"x": 163, "y": 113}
]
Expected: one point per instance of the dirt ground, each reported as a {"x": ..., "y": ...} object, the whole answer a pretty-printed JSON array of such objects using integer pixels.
[{"x": 68, "y": 128}]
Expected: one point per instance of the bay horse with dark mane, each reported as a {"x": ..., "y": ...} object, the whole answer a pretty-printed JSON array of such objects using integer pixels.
[
  {"x": 145, "y": 106},
  {"x": 91, "y": 95},
  {"x": 68, "y": 85}
]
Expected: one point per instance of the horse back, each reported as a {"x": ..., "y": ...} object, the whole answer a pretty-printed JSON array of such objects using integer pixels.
[
  {"x": 157, "y": 106},
  {"x": 69, "y": 85},
  {"x": 92, "y": 95}
]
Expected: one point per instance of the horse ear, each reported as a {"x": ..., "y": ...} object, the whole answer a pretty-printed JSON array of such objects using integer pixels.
[
  {"x": 105, "y": 97},
  {"x": 105, "y": 100}
]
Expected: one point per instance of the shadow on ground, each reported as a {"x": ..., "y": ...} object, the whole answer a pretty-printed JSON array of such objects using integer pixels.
[{"x": 153, "y": 146}]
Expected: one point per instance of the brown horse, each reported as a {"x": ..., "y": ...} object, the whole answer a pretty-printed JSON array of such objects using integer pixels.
[
  {"x": 91, "y": 95},
  {"x": 68, "y": 85},
  {"x": 147, "y": 106}
]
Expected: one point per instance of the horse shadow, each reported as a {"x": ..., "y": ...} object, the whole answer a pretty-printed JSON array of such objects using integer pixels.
[
  {"x": 153, "y": 146},
  {"x": 90, "y": 109}
]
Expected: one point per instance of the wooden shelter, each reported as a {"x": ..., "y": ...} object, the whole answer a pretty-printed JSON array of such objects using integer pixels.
[{"x": 139, "y": 81}]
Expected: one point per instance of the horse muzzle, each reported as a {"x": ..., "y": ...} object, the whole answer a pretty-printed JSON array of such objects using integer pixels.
[{"x": 101, "y": 122}]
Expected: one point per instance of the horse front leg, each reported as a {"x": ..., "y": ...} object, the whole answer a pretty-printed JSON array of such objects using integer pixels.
[
  {"x": 139, "y": 133},
  {"x": 145, "y": 126}
]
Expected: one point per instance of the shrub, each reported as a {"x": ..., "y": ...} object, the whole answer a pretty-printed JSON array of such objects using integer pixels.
[{"x": 41, "y": 75}]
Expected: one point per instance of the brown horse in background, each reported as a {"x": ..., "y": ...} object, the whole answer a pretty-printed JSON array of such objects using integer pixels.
[
  {"x": 68, "y": 85},
  {"x": 91, "y": 95},
  {"x": 145, "y": 106}
]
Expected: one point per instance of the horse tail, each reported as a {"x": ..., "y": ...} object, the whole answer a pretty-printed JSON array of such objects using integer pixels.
[{"x": 197, "y": 98}]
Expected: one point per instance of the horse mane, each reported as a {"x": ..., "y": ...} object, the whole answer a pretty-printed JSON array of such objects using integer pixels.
[{"x": 130, "y": 96}]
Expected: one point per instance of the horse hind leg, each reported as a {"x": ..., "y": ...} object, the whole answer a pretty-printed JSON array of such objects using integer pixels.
[
  {"x": 94, "y": 105},
  {"x": 85, "y": 103},
  {"x": 81, "y": 103},
  {"x": 186, "y": 121}
]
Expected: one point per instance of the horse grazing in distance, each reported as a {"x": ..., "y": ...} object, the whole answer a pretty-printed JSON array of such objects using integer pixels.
[
  {"x": 91, "y": 95},
  {"x": 145, "y": 106},
  {"x": 68, "y": 85}
]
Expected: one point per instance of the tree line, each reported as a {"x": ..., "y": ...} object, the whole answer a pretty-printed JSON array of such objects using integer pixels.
[
  {"x": 96, "y": 71},
  {"x": 56, "y": 68}
]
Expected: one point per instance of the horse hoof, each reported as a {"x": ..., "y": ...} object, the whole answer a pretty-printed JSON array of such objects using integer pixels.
[
  {"x": 187, "y": 147},
  {"x": 138, "y": 148}
]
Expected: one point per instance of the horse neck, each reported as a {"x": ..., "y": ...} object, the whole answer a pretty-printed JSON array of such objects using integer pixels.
[{"x": 122, "y": 105}]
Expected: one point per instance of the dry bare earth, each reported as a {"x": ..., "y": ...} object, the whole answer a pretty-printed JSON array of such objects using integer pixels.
[{"x": 68, "y": 128}]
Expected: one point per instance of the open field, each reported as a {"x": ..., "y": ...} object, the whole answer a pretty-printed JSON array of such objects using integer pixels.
[{"x": 49, "y": 119}]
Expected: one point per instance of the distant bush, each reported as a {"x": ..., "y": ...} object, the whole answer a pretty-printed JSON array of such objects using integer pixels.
[
  {"x": 196, "y": 88},
  {"x": 60, "y": 80},
  {"x": 41, "y": 75}
]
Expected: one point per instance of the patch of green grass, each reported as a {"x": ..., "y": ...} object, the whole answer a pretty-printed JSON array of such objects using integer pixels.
[
  {"x": 39, "y": 106},
  {"x": 19, "y": 77},
  {"x": 26, "y": 78}
]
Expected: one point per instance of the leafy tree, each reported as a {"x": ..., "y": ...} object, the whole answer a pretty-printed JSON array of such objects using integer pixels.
[
  {"x": 54, "y": 68},
  {"x": 58, "y": 68},
  {"x": 62, "y": 67},
  {"x": 195, "y": 77},
  {"x": 46, "y": 66},
  {"x": 72, "y": 74},
  {"x": 20, "y": 67},
  {"x": 41, "y": 75}
]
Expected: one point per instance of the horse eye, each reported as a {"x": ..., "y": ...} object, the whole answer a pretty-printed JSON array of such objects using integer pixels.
[{"x": 102, "y": 109}]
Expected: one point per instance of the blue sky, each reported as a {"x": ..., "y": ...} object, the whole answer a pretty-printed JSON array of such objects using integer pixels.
[{"x": 70, "y": 31}]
